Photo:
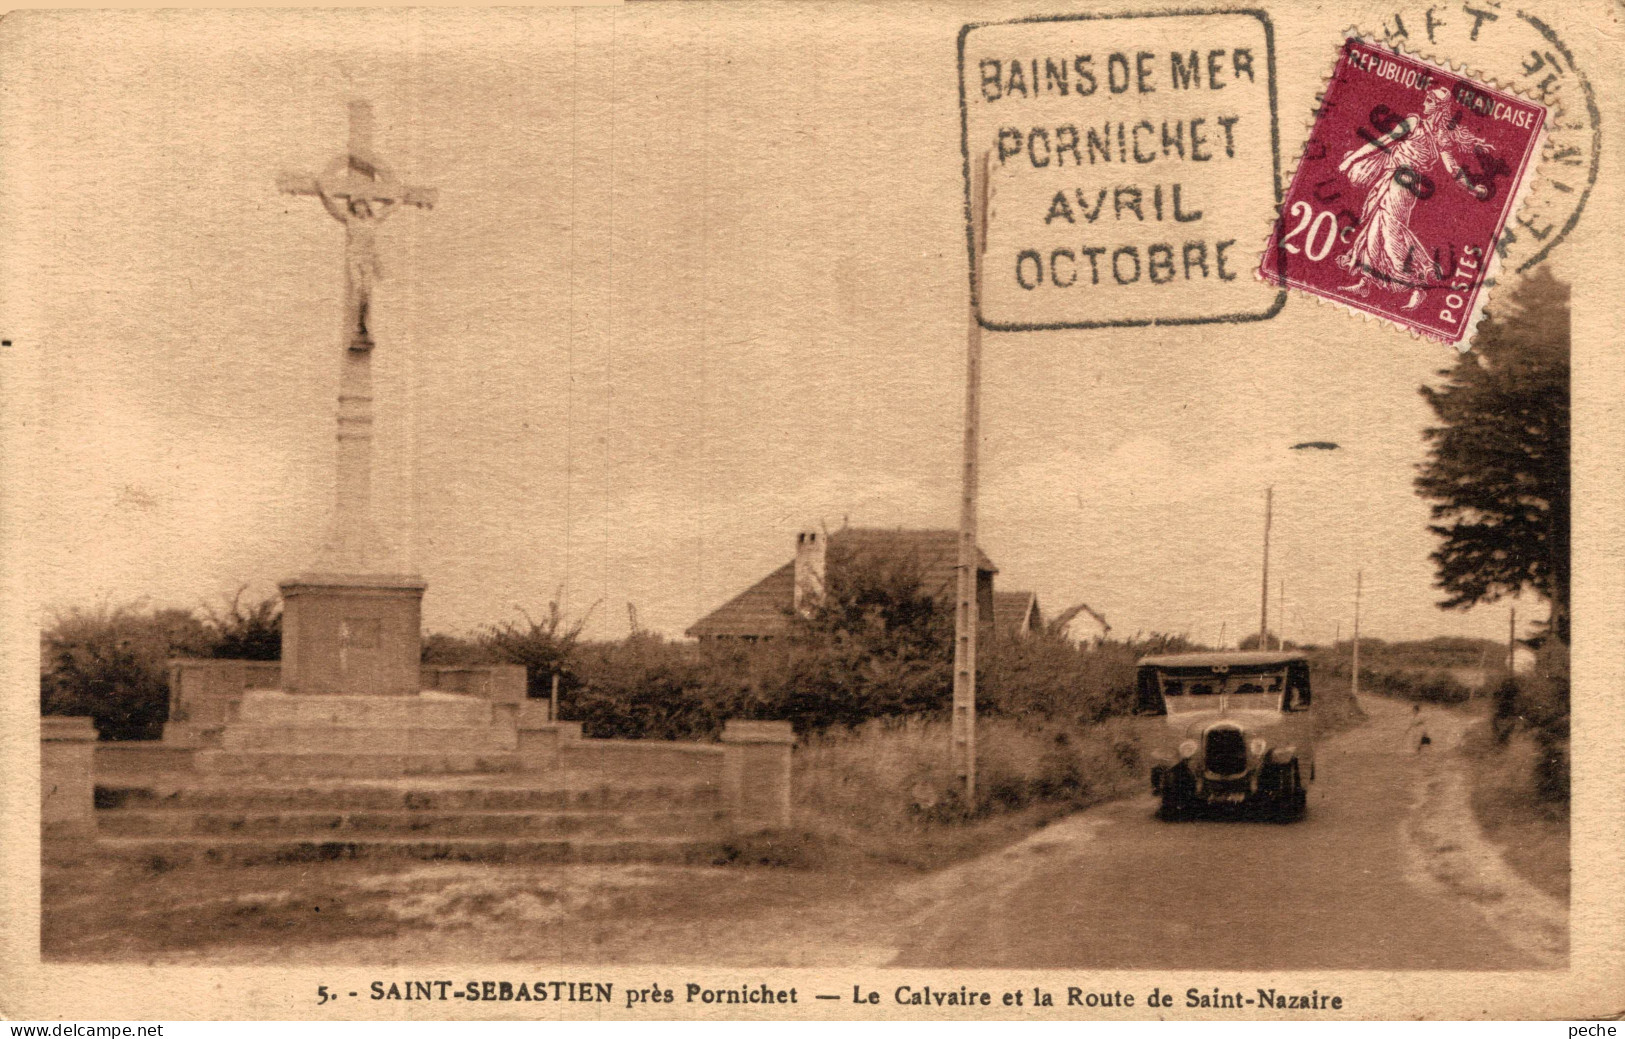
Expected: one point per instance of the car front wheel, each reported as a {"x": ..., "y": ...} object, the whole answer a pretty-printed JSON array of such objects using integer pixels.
[
  {"x": 1291, "y": 797},
  {"x": 1178, "y": 794}
]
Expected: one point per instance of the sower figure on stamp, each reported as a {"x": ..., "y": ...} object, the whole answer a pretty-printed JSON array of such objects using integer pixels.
[{"x": 1398, "y": 168}]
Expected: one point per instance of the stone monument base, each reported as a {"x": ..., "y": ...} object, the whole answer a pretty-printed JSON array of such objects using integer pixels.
[
  {"x": 352, "y": 635},
  {"x": 283, "y": 734}
]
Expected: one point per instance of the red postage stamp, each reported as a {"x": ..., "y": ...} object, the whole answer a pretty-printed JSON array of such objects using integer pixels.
[{"x": 1405, "y": 185}]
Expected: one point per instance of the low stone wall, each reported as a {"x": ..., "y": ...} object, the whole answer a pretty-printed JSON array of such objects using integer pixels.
[
  {"x": 205, "y": 695},
  {"x": 749, "y": 768},
  {"x": 499, "y": 683},
  {"x": 610, "y": 760},
  {"x": 67, "y": 776}
]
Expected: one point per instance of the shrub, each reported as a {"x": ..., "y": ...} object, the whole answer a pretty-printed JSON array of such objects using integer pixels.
[
  {"x": 1538, "y": 704},
  {"x": 111, "y": 664},
  {"x": 640, "y": 688},
  {"x": 239, "y": 632},
  {"x": 1049, "y": 677},
  {"x": 888, "y": 789},
  {"x": 454, "y": 651},
  {"x": 543, "y": 648}
]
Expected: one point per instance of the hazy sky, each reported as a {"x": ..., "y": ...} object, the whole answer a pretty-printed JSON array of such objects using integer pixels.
[{"x": 696, "y": 281}]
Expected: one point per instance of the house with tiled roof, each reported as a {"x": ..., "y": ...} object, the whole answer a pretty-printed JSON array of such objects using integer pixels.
[
  {"x": 1016, "y": 614},
  {"x": 764, "y": 610}
]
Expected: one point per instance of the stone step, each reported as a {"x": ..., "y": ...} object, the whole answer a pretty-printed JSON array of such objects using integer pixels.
[
  {"x": 180, "y": 851},
  {"x": 269, "y": 708},
  {"x": 278, "y": 765},
  {"x": 617, "y": 759},
  {"x": 363, "y": 825},
  {"x": 438, "y": 795},
  {"x": 141, "y": 757},
  {"x": 349, "y": 739}
]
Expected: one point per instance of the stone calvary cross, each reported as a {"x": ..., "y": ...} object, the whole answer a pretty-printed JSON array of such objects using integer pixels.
[
  {"x": 359, "y": 192},
  {"x": 351, "y": 622}
]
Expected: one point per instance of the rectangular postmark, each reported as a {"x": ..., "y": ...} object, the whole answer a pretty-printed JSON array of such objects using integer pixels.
[
  {"x": 1131, "y": 157},
  {"x": 1405, "y": 186}
]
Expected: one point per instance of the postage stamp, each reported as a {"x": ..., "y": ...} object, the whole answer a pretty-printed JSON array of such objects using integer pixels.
[{"x": 1404, "y": 190}]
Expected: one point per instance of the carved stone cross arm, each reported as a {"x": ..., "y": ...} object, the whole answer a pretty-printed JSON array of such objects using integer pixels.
[{"x": 359, "y": 192}]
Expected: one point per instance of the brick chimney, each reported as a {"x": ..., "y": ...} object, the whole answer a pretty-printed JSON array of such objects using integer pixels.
[{"x": 810, "y": 554}]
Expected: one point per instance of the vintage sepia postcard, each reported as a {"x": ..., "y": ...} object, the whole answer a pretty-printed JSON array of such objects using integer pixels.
[{"x": 813, "y": 511}]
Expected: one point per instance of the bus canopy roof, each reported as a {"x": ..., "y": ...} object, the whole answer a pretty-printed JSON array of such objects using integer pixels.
[{"x": 1210, "y": 661}]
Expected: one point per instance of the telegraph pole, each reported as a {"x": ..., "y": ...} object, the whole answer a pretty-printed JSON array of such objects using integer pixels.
[
  {"x": 965, "y": 612},
  {"x": 1280, "y": 617},
  {"x": 1359, "y": 578},
  {"x": 1512, "y": 641},
  {"x": 1264, "y": 606}
]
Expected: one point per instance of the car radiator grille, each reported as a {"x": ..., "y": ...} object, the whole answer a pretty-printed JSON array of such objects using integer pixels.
[{"x": 1226, "y": 751}]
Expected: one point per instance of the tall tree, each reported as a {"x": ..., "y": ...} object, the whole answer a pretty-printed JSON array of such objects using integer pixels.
[{"x": 1497, "y": 470}]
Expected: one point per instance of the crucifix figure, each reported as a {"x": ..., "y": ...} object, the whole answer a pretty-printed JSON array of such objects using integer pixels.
[{"x": 359, "y": 192}]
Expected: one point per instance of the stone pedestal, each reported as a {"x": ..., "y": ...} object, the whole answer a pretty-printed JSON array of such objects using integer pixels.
[
  {"x": 280, "y": 735},
  {"x": 540, "y": 737},
  {"x": 67, "y": 776},
  {"x": 756, "y": 773},
  {"x": 351, "y": 636}
]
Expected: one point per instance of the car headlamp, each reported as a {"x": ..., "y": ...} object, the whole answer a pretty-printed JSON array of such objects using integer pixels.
[{"x": 1187, "y": 749}]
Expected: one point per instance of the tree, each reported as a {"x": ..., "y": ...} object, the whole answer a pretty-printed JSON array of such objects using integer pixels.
[
  {"x": 877, "y": 644},
  {"x": 111, "y": 663},
  {"x": 1498, "y": 464},
  {"x": 544, "y": 648},
  {"x": 246, "y": 632},
  {"x": 453, "y": 650}
]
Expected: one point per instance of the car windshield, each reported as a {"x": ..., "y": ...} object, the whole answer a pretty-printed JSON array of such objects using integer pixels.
[
  {"x": 1183, "y": 695},
  {"x": 1259, "y": 692},
  {"x": 1245, "y": 692}
]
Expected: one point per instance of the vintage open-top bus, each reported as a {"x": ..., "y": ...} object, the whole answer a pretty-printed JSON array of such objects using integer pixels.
[{"x": 1237, "y": 729}]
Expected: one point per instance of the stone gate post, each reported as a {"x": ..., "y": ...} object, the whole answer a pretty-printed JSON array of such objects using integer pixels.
[
  {"x": 756, "y": 772},
  {"x": 67, "y": 780}
]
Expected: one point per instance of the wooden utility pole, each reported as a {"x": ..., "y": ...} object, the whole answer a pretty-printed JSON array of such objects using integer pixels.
[
  {"x": 1359, "y": 579},
  {"x": 1512, "y": 641},
  {"x": 553, "y": 700},
  {"x": 965, "y": 613},
  {"x": 1280, "y": 617},
  {"x": 1264, "y": 606}
]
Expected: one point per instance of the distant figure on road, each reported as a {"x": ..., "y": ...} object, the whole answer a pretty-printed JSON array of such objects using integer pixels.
[{"x": 1418, "y": 736}]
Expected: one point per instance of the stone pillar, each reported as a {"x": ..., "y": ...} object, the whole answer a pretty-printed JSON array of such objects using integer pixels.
[
  {"x": 67, "y": 780},
  {"x": 756, "y": 773},
  {"x": 354, "y": 537},
  {"x": 541, "y": 738},
  {"x": 352, "y": 635}
]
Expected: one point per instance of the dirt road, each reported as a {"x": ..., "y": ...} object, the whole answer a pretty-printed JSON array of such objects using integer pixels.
[{"x": 1387, "y": 871}]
